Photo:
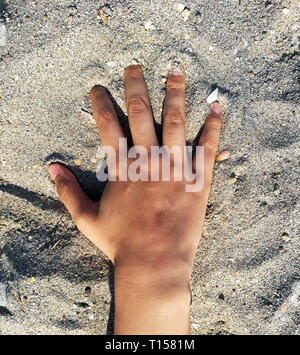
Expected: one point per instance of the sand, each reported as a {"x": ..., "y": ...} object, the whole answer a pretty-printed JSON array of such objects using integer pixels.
[{"x": 246, "y": 274}]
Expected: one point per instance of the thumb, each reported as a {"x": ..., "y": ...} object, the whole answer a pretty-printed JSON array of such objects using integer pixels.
[{"x": 70, "y": 192}]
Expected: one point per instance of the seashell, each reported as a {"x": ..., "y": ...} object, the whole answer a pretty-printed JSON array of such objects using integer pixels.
[
  {"x": 179, "y": 7},
  {"x": 149, "y": 26},
  {"x": 186, "y": 14},
  {"x": 111, "y": 64},
  {"x": 213, "y": 96},
  {"x": 223, "y": 156}
]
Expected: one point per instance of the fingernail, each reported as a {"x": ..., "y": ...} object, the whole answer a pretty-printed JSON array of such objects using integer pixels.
[
  {"x": 215, "y": 108},
  {"x": 54, "y": 170},
  {"x": 176, "y": 72}
]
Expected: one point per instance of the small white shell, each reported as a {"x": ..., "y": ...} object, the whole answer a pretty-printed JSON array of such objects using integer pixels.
[
  {"x": 213, "y": 96},
  {"x": 179, "y": 7},
  {"x": 186, "y": 14},
  {"x": 111, "y": 64},
  {"x": 286, "y": 10},
  {"x": 91, "y": 316},
  {"x": 223, "y": 156},
  {"x": 2, "y": 34},
  {"x": 149, "y": 26}
]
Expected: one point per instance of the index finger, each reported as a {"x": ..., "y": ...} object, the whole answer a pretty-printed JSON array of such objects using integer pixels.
[{"x": 106, "y": 118}]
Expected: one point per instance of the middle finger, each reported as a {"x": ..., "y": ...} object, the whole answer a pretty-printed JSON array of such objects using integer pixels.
[{"x": 139, "y": 110}]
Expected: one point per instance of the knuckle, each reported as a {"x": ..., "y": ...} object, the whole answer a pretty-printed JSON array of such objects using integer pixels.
[
  {"x": 177, "y": 84},
  {"x": 113, "y": 170},
  {"x": 145, "y": 165},
  {"x": 174, "y": 116},
  {"x": 213, "y": 123},
  {"x": 209, "y": 145},
  {"x": 103, "y": 117},
  {"x": 136, "y": 105}
]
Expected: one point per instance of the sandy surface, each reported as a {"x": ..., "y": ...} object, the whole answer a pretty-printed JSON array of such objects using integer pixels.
[{"x": 246, "y": 275}]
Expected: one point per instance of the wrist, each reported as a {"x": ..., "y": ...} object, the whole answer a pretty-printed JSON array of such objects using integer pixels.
[
  {"x": 152, "y": 292},
  {"x": 151, "y": 284},
  {"x": 151, "y": 303},
  {"x": 159, "y": 275}
]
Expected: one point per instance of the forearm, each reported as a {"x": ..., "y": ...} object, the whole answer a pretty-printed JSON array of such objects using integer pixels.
[{"x": 151, "y": 304}]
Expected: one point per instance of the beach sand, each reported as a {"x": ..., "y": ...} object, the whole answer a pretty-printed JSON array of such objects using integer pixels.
[{"x": 246, "y": 274}]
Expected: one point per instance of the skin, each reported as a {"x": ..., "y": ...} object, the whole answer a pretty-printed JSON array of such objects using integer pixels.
[{"x": 149, "y": 230}]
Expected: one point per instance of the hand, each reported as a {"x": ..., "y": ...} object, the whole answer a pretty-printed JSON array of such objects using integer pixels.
[{"x": 149, "y": 230}]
